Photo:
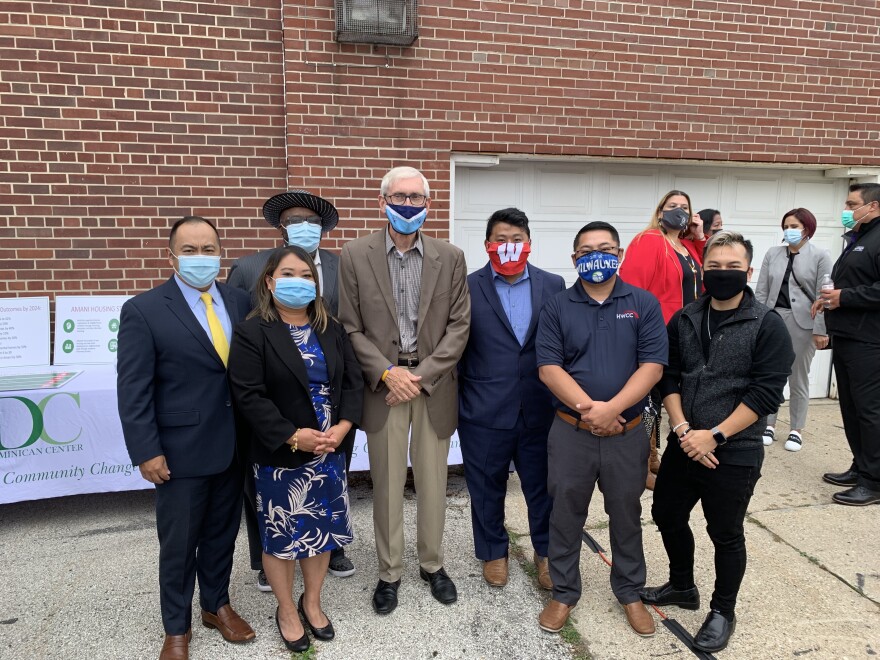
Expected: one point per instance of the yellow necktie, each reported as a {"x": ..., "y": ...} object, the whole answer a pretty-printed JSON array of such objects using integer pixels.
[{"x": 218, "y": 337}]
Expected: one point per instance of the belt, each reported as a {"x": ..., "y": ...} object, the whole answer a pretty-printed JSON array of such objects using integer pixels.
[
  {"x": 583, "y": 426},
  {"x": 407, "y": 361}
]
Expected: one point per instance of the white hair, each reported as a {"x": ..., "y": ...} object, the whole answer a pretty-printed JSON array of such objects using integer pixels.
[{"x": 402, "y": 172}]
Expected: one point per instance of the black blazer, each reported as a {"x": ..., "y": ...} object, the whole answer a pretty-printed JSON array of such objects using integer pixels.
[
  {"x": 270, "y": 387},
  {"x": 172, "y": 391}
]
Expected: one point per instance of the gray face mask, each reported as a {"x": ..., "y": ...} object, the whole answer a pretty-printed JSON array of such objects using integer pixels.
[{"x": 675, "y": 219}]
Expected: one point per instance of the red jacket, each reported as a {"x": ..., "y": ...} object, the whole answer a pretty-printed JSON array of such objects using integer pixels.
[{"x": 650, "y": 263}]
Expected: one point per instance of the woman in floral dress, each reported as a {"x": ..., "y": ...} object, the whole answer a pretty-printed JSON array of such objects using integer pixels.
[{"x": 298, "y": 386}]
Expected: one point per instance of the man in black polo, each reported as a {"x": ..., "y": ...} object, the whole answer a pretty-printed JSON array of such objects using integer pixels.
[
  {"x": 601, "y": 347},
  {"x": 852, "y": 311},
  {"x": 729, "y": 359}
]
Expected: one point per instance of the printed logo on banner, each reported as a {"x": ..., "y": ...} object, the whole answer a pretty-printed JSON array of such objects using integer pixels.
[{"x": 37, "y": 411}]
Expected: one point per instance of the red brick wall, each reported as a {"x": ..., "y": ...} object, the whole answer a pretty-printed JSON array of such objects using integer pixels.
[
  {"x": 118, "y": 117},
  {"x": 782, "y": 81}
]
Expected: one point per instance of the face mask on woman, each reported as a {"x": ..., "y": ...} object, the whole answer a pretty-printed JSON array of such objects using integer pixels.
[{"x": 294, "y": 292}]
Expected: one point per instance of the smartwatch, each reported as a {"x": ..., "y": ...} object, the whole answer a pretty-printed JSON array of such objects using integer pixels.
[{"x": 719, "y": 437}]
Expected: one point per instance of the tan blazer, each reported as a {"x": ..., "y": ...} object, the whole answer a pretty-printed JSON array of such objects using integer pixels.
[
  {"x": 369, "y": 314},
  {"x": 811, "y": 263}
]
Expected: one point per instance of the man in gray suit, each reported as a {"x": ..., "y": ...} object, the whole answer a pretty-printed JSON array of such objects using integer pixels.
[
  {"x": 302, "y": 219},
  {"x": 404, "y": 301}
]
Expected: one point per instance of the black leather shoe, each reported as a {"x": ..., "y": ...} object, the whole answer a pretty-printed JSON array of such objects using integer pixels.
[
  {"x": 298, "y": 646},
  {"x": 715, "y": 632},
  {"x": 385, "y": 597},
  {"x": 848, "y": 478},
  {"x": 857, "y": 496},
  {"x": 442, "y": 588},
  {"x": 666, "y": 594},
  {"x": 326, "y": 633}
]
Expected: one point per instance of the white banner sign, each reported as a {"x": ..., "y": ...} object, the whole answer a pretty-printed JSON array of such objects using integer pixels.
[
  {"x": 86, "y": 328},
  {"x": 360, "y": 457},
  {"x": 24, "y": 332}
]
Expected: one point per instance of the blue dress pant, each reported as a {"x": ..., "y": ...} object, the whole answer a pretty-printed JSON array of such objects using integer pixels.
[{"x": 487, "y": 454}]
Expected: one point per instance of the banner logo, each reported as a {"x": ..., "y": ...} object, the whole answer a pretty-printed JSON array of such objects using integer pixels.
[{"x": 37, "y": 412}]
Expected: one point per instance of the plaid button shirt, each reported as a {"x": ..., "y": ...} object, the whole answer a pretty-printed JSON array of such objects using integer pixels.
[{"x": 406, "y": 284}]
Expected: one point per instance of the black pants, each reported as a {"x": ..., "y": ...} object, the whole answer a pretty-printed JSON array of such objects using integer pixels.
[
  {"x": 724, "y": 494},
  {"x": 857, "y": 365},
  {"x": 255, "y": 543},
  {"x": 197, "y": 519}
]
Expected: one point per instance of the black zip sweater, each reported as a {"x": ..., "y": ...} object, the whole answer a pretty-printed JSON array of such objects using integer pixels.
[{"x": 857, "y": 274}]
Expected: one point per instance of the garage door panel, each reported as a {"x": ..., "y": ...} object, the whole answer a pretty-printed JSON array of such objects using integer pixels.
[
  {"x": 704, "y": 191},
  {"x": 818, "y": 197},
  {"x": 754, "y": 197},
  {"x": 487, "y": 190},
  {"x": 631, "y": 194},
  {"x": 551, "y": 248},
  {"x": 562, "y": 191}
]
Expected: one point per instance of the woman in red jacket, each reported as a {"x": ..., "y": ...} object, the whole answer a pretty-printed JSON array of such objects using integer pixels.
[{"x": 667, "y": 260}]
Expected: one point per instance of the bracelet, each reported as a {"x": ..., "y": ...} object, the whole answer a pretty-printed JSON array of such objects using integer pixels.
[
  {"x": 386, "y": 372},
  {"x": 295, "y": 444},
  {"x": 686, "y": 431},
  {"x": 678, "y": 426}
]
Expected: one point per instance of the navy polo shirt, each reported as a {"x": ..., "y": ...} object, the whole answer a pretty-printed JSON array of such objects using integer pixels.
[{"x": 601, "y": 346}]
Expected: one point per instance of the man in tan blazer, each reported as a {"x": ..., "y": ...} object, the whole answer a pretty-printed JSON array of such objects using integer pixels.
[{"x": 403, "y": 298}]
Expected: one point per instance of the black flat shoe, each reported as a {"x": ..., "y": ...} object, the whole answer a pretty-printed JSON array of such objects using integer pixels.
[
  {"x": 857, "y": 496},
  {"x": 666, "y": 594},
  {"x": 715, "y": 632},
  {"x": 848, "y": 478},
  {"x": 299, "y": 646},
  {"x": 442, "y": 587},
  {"x": 324, "y": 634},
  {"x": 385, "y": 597}
]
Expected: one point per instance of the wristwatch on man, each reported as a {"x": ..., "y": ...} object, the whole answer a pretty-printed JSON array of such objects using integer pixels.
[{"x": 719, "y": 437}]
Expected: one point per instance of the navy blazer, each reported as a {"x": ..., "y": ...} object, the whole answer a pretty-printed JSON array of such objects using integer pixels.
[
  {"x": 270, "y": 388},
  {"x": 497, "y": 376},
  {"x": 171, "y": 384}
]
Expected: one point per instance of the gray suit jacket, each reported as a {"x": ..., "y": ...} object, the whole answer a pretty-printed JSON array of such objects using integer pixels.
[
  {"x": 245, "y": 271},
  {"x": 369, "y": 314},
  {"x": 809, "y": 266}
]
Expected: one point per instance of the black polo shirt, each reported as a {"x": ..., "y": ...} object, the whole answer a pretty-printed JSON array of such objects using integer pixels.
[{"x": 601, "y": 346}]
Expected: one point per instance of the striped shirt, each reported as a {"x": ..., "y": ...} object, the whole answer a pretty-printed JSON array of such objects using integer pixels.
[{"x": 406, "y": 284}]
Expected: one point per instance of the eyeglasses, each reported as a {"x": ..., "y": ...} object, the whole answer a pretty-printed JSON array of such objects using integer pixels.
[
  {"x": 605, "y": 250},
  {"x": 399, "y": 199},
  {"x": 294, "y": 220}
]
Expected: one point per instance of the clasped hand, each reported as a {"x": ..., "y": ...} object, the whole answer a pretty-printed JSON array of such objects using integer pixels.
[
  {"x": 601, "y": 417},
  {"x": 699, "y": 446},
  {"x": 402, "y": 386},
  {"x": 320, "y": 442}
]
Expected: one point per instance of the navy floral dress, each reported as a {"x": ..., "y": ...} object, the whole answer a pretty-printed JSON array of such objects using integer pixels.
[{"x": 304, "y": 511}]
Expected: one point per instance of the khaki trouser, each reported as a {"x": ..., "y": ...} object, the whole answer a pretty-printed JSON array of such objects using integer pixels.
[{"x": 428, "y": 454}]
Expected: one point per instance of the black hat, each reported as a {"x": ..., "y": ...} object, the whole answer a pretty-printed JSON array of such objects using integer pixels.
[{"x": 274, "y": 206}]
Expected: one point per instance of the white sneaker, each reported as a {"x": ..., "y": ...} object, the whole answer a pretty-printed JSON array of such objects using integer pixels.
[
  {"x": 262, "y": 582},
  {"x": 794, "y": 441},
  {"x": 769, "y": 436}
]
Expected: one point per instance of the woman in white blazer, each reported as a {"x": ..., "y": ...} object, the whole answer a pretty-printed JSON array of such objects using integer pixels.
[{"x": 789, "y": 280}]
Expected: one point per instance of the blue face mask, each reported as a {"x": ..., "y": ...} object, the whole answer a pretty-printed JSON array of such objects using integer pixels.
[
  {"x": 294, "y": 292},
  {"x": 597, "y": 267},
  {"x": 792, "y": 236},
  {"x": 198, "y": 270},
  {"x": 306, "y": 235},
  {"x": 406, "y": 219}
]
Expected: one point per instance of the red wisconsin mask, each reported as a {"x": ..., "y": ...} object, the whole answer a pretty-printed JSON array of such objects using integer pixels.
[{"x": 508, "y": 258}]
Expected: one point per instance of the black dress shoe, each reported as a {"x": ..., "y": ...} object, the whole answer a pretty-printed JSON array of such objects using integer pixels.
[
  {"x": 857, "y": 496},
  {"x": 666, "y": 594},
  {"x": 442, "y": 588},
  {"x": 385, "y": 597},
  {"x": 715, "y": 632},
  {"x": 326, "y": 633},
  {"x": 298, "y": 646},
  {"x": 848, "y": 478}
]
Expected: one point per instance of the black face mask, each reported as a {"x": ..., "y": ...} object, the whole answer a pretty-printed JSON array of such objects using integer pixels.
[
  {"x": 725, "y": 284},
  {"x": 676, "y": 219}
]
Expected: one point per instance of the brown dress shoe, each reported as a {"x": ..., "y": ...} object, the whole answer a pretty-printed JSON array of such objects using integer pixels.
[
  {"x": 495, "y": 572},
  {"x": 554, "y": 616},
  {"x": 176, "y": 647},
  {"x": 640, "y": 619},
  {"x": 231, "y": 626},
  {"x": 543, "y": 566}
]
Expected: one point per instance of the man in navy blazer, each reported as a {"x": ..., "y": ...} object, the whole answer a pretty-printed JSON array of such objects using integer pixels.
[
  {"x": 505, "y": 411},
  {"x": 177, "y": 419}
]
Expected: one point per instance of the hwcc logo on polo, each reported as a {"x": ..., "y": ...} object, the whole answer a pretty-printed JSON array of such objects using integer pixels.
[
  {"x": 24, "y": 424},
  {"x": 628, "y": 314}
]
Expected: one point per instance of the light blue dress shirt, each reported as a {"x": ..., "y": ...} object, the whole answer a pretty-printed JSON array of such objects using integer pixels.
[
  {"x": 194, "y": 300},
  {"x": 516, "y": 300}
]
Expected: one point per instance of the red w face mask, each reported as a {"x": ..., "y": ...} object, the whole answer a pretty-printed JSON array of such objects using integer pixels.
[{"x": 508, "y": 258}]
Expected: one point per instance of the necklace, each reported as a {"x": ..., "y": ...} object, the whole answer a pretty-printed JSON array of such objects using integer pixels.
[{"x": 693, "y": 266}]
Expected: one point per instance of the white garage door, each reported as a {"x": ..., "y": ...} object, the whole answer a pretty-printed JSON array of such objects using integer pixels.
[{"x": 561, "y": 197}]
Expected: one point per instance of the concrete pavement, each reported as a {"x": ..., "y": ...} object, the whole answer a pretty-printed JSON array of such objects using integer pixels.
[{"x": 79, "y": 580}]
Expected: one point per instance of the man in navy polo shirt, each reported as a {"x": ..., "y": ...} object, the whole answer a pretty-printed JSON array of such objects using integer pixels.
[{"x": 601, "y": 347}]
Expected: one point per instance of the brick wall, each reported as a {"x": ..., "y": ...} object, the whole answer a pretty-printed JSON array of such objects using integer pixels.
[{"x": 118, "y": 117}]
